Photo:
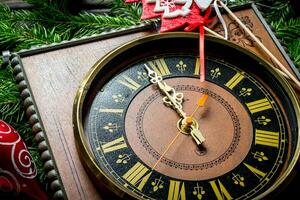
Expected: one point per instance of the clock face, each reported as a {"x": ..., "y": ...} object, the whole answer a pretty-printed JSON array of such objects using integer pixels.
[{"x": 134, "y": 139}]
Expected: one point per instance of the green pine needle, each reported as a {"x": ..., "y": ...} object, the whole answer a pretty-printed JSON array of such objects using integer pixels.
[
  {"x": 294, "y": 48},
  {"x": 132, "y": 11},
  {"x": 88, "y": 23},
  {"x": 16, "y": 39},
  {"x": 50, "y": 23},
  {"x": 287, "y": 30},
  {"x": 10, "y": 102}
]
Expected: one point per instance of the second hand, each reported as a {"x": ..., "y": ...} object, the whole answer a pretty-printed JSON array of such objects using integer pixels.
[
  {"x": 166, "y": 150},
  {"x": 200, "y": 103}
]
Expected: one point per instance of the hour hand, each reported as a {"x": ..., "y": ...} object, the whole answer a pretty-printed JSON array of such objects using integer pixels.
[{"x": 197, "y": 135}]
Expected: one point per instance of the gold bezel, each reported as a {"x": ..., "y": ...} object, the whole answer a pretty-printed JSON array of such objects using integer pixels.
[{"x": 82, "y": 145}]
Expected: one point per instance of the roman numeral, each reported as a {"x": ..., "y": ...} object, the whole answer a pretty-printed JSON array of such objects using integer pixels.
[
  {"x": 159, "y": 66},
  {"x": 259, "y": 105},
  {"x": 113, "y": 145},
  {"x": 176, "y": 190},
  {"x": 238, "y": 77},
  {"x": 267, "y": 138},
  {"x": 219, "y": 190},
  {"x": 138, "y": 175},
  {"x": 259, "y": 174},
  {"x": 197, "y": 67},
  {"x": 111, "y": 110},
  {"x": 128, "y": 82}
]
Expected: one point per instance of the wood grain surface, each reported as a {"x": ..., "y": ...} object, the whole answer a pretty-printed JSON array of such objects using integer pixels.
[{"x": 55, "y": 76}]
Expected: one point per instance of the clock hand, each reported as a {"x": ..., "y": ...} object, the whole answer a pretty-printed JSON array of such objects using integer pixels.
[
  {"x": 200, "y": 103},
  {"x": 191, "y": 126},
  {"x": 172, "y": 98},
  {"x": 166, "y": 150},
  {"x": 197, "y": 135},
  {"x": 195, "y": 132}
]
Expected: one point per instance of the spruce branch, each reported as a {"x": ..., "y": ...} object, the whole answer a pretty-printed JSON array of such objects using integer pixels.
[
  {"x": 278, "y": 10},
  {"x": 22, "y": 38},
  {"x": 88, "y": 23},
  {"x": 287, "y": 30},
  {"x": 294, "y": 48},
  {"x": 132, "y": 11},
  {"x": 10, "y": 102},
  {"x": 49, "y": 22}
]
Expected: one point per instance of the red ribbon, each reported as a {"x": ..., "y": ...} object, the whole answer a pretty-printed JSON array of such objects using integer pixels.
[{"x": 203, "y": 21}]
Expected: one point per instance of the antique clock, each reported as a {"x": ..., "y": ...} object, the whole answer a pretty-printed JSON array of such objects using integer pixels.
[{"x": 147, "y": 128}]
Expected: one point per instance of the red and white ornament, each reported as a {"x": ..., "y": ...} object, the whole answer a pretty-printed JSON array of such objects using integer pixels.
[
  {"x": 170, "y": 8},
  {"x": 17, "y": 169},
  {"x": 176, "y": 14}
]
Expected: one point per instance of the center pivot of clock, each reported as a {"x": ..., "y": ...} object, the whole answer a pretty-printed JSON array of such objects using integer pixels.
[{"x": 185, "y": 125}]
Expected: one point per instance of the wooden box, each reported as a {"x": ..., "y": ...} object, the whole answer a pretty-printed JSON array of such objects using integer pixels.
[{"x": 49, "y": 76}]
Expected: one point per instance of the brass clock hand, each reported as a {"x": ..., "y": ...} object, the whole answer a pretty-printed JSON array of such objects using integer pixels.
[
  {"x": 200, "y": 103},
  {"x": 195, "y": 132},
  {"x": 197, "y": 135},
  {"x": 190, "y": 126},
  {"x": 172, "y": 98},
  {"x": 166, "y": 150}
]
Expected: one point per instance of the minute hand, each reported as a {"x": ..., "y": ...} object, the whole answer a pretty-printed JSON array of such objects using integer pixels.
[{"x": 172, "y": 98}]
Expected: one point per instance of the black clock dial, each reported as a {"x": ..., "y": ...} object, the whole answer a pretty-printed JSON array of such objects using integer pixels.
[{"x": 249, "y": 123}]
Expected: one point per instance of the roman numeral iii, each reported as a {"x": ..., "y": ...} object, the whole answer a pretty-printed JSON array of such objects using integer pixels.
[
  {"x": 259, "y": 105},
  {"x": 267, "y": 138}
]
